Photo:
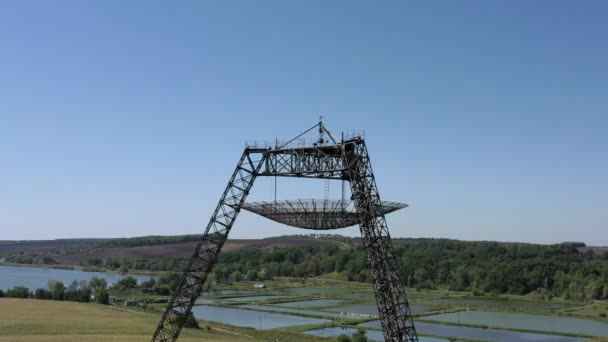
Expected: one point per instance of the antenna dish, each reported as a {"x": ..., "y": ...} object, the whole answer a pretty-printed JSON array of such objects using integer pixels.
[{"x": 315, "y": 213}]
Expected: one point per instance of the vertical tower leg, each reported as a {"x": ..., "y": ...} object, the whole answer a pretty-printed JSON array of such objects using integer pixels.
[
  {"x": 389, "y": 290},
  {"x": 205, "y": 255}
]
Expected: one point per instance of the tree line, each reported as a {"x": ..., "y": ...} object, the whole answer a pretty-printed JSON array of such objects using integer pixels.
[
  {"x": 94, "y": 290},
  {"x": 151, "y": 240},
  {"x": 545, "y": 271},
  {"x": 480, "y": 267},
  {"x": 30, "y": 259}
]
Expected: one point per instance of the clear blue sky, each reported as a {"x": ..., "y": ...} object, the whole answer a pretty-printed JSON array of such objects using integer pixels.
[{"x": 125, "y": 118}]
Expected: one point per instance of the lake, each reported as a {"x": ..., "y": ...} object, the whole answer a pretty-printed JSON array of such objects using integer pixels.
[
  {"x": 250, "y": 318},
  {"x": 567, "y": 325},
  {"x": 481, "y": 334},
  {"x": 38, "y": 277}
]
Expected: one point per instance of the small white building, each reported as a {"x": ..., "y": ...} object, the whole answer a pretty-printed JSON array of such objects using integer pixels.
[{"x": 259, "y": 286}]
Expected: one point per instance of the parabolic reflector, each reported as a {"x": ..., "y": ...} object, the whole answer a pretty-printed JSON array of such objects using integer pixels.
[{"x": 317, "y": 214}]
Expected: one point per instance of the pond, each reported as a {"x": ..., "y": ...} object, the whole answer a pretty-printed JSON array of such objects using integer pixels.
[
  {"x": 316, "y": 290},
  {"x": 358, "y": 295},
  {"x": 38, "y": 277},
  {"x": 256, "y": 298},
  {"x": 203, "y": 300},
  {"x": 481, "y": 334},
  {"x": 250, "y": 318},
  {"x": 372, "y": 309},
  {"x": 316, "y": 303},
  {"x": 421, "y": 295},
  {"x": 368, "y": 295},
  {"x": 569, "y": 325},
  {"x": 371, "y": 334},
  {"x": 497, "y": 303},
  {"x": 296, "y": 311},
  {"x": 226, "y": 292}
]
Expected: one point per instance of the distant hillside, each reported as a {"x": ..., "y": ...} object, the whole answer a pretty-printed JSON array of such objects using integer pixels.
[
  {"x": 151, "y": 246},
  {"x": 90, "y": 251},
  {"x": 48, "y": 246},
  {"x": 150, "y": 240},
  {"x": 179, "y": 250}
]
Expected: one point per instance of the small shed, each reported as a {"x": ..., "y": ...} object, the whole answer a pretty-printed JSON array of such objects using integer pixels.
[{"x": 131, "y": 302}]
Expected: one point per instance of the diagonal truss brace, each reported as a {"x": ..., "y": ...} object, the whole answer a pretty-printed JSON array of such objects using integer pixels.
[
  {"x": 206, "y": 252},
  {"x": 391, "y": 300}
]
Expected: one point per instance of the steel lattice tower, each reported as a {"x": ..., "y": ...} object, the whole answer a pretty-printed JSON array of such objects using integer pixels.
[{"x": 346, "y": 160}]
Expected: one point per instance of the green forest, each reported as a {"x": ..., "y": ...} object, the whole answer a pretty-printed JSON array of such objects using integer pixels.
[
  {"x": 480, "y": 267},
  {"x": 545, "y": 271}
]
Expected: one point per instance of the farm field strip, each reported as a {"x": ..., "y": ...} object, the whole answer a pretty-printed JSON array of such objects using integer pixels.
[
  {"x": 372, "y": 335},
  {"x": 479, "y": 334},
  {"x": 296, "y": 311},
  {"x": 542, "y": 323},
  {"x": 251, "y": 318},
  {"x": 31, "y": 320}
]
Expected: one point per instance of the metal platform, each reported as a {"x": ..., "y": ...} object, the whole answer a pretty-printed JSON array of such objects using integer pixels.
[{"x": 317, "y": 214}]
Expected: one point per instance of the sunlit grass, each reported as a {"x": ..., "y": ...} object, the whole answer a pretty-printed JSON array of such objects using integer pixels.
[{"x": 45, "y": 320}]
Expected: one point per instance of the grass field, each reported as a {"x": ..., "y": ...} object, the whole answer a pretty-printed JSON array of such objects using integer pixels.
[
  {"x": 32, "y": 320},
  {"x": 594, "y": 311}
]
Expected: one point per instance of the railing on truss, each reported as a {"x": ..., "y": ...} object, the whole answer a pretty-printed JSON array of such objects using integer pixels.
[{"x": 301, "y": 142}]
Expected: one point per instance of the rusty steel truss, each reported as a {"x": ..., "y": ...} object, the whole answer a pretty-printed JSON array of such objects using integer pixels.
[{"x": 347, "y": 160}]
